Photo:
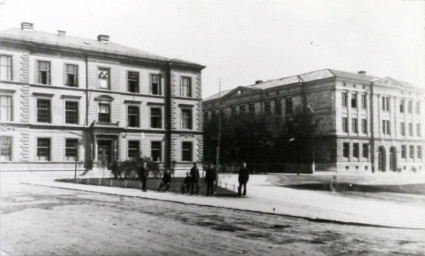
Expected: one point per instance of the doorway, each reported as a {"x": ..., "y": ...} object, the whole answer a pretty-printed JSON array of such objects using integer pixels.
[{"x": 104, "y": 152}]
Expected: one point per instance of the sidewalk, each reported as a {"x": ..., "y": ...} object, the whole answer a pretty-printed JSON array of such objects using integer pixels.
[{"x": 263, "y": 197}]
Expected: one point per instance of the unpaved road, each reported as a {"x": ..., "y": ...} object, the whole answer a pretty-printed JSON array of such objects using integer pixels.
[{"x": 47, "y": 221}]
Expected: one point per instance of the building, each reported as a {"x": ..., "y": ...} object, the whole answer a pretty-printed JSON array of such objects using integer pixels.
[
  {"x": 67, "y": 101},
  {"x": 367, "y": 123}
]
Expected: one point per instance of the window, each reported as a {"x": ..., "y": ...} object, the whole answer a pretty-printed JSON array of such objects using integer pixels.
[
  {"x": 156, "y": 151},
  {"x": 242, "y": 108},
  {"x": 43, "y": 72},
  {"x": 419, "y": 152},
  {"x": 233, "y": 111},
  {"x": 354, "y": 124},
  {"x": 386, "y": 127},
  {"x": 156, "y": 119},
  {"x": 365, "y": 150},
  {"x": 43, "y": 149},
  {"x": 409, "y": 108},
  {"x": 364, "y": 126},
  {"x": 5, "y": 148},
  {"x": 278, "y": 107},
  {"x": 252, "y": 108},
  {"x": 288, "y": 106},
  {"x": 133, "y": 149},
  {"x": 403, "y": 151},
  {"x": 103, "y": 75},
  {"x": 356, "y": 150},
  {"x": 346, "y": 149},
  {"x": 364, "y": 101},
  {"x": 411, "y": 152},
  {"x": 187, "y": 151},
  {"x": 344, "y": 99},
  {"x": 410, "y": 129},
  {"x": 267, "y": 107},
  {"x": 133, "y": 116},
  {"x": 5, "y": 68},
  {"x": 71, "y": 112},
  {"x": 71, "y": 75},
  {"x": 156, "y": 88},
  {"x": 418, "y": 130},
  {"x": 386, "y": 103},
  {"x": 418, "y": 108},
  {"x": 402, "y": 102},
  {"x": 186, "y": 87},
  {"x": 345, "y": 124},
  {"x": 186, "y": 120},
  {"x": 104, "y": 112},
  {"x": 403, "y": 129},
  {"x": 133, "y": 81},
  {"x": 43, "y": 111},
  {"x": 71, "y": 149},
  {"x": 354, "y": 100},
  {"x": 6, "y": 108}
]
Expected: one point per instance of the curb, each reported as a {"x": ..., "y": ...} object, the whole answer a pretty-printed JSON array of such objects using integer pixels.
[{"x": 319, "y": 220}]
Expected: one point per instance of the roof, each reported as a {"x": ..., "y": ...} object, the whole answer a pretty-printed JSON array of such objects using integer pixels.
[
  {"x": 314, "y": 76},
  {"x": 84, "y": 44}
]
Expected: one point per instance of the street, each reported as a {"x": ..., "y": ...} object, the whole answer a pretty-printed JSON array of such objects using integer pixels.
[{"x": 37, "y": 220}]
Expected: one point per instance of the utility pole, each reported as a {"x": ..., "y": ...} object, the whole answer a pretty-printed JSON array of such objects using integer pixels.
[{"x": 219, "y": 132}]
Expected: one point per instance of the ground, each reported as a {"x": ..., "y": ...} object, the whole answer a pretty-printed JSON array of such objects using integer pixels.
[{"x": 37, "y": 220}]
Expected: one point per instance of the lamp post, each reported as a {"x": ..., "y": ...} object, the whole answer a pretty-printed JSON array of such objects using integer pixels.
[{"x": 219, "y": 134}]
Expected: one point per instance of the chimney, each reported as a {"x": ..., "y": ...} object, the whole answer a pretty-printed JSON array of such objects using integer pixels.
[
  {"x": 361, "y": 72},
  {"x": 258, "y": 81},
  {"x": 27, "y": 26},
  {"x": 61, "y": 32},
  {"x": 103, "y": 38}
]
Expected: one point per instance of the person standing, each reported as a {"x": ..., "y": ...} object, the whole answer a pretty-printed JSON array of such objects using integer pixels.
[
  {"x": 209, "y": 180},
  {"x": 243, "y": 179},
  {"x": 194, "y": 173},
  {"x": 186, "y": 183},
  {"x": 114, "y": 169},
  {"x": 166, "y": 179},
  {"x": 143, "y": 175}
]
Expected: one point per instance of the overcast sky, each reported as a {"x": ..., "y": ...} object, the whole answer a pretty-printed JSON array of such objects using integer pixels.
[{"x": 243, "y": 41}]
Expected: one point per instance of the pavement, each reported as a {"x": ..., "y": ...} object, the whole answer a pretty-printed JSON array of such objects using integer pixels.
[{"x": 265, "y": 196}]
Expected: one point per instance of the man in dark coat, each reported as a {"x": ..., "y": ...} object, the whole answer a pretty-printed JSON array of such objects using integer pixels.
[
  {"x": 209, "y": 180},
  {"x": 194, "y": 174},
  {"x": 186, "y": 183},
  {"x": 143, "y": 175},
  {"x": 243, "y": 179},
  {"x": 114, "y": 169},
  {"x": 166, "y": 179}
]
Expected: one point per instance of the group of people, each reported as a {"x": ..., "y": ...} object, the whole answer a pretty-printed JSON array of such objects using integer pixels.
[{"x": 191, "y": 181}]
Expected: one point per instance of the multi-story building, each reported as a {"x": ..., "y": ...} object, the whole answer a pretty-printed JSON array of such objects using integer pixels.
[
  {"x": 366, "y": 123},
  {"x": 67, "y": 100}
]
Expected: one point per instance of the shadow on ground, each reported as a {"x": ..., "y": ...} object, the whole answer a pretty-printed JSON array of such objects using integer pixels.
[
  {"x": 418, "y": 189},
  {"x": 151, "y": 184}
]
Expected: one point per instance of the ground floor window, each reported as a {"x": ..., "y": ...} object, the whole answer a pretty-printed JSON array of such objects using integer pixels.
[
  {"x": 412, "y": 151},
  {"x": 71, "y": 149},
  {"x": 346, "y": 149},
  {"x": 419, "y": 152},
  {"x": 43, "y": 149},
  {"x": 187, "y": 151},
  {"x": 133, "y": 149},
  {"x": 403, "y": 151},
  {"x": 6, "y": 148},
  {"x": 356, "y": 150},
  {"x": 365, "y": 150},
  {"x": 156, "y": 151}
]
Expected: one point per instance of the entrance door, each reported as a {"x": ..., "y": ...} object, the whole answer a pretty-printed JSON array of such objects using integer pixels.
[
  {"x": 393, "y": 159},
  {"x": 381, "y": 159},
  {"x": 104, "y": 152}
]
